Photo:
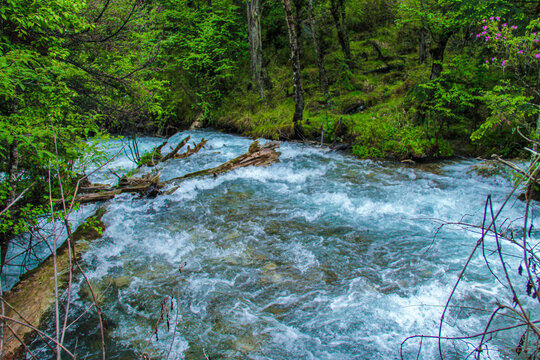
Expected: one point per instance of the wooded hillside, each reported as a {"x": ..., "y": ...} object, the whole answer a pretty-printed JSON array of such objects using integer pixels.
[{"x": 414, "y": 79}]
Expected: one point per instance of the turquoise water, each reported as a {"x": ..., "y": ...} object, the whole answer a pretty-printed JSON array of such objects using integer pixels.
[{"x": 320, "y": 256}]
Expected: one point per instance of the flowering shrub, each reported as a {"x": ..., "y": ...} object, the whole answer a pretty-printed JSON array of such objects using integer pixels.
[
  {"x": 512, "y": 49},
  {"x": 516, "y": 99}
]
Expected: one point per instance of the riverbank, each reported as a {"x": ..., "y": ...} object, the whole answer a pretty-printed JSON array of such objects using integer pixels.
[{"x": 34, "y": 295}]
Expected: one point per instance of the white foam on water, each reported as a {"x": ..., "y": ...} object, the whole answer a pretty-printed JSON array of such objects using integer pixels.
[
  {"x": 303, "y": 258},
  {"x": 319, "y": 256}
]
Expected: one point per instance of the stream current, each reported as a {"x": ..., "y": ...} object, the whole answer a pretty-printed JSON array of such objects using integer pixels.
[{"x": 319, "y": 256}]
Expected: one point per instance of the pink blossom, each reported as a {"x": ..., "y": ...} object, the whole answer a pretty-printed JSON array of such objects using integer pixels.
[
  {"x": 504, "y": 25},
  {"x": 492, "y": 18},
  {"x": 487, "y": 38},
  {"x": 498, "y": 18},
  {"x": 514, "y": 27},
  {"x": 484, "y": 27},
  {"x": 487, "y": 61},
  {"x": 520, "y": 52},
  {"x": 484, "y": 20},
  {"x": 493, "y": 59},
  {"x": 503, "y": 63},
  {"x": 537, "y": 56}
]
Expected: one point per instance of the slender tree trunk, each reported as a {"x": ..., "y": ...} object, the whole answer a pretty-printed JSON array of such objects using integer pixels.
[
  {"x": 297, "y": 78},
  {"x": 423, "y": 45},
  {"x": 423, "y": 35},
  {"x": 537, "y": 96},
  {"x": 323, "y": 79},
  {"x": 298, "y": 7},
  {"x": 437, "y": 55},
  {"x": 255, "y": 45},
  {"x": 13, "y": 166},
  {"x": 337, "y": 8}
]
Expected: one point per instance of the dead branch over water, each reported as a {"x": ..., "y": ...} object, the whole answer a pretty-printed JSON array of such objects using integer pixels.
[{"x": 149, "y": 184}]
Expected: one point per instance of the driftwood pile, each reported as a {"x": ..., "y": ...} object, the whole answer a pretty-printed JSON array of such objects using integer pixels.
[{"x": 149, "y": 185}]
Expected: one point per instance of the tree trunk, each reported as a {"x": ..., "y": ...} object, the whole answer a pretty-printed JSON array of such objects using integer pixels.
[
  {"x": 423, "y": 45},
  {"x": 297, "y": 78},
  {"x": 13, "y": 166},
  {"x": 323, "y": 79},
  {"x": 298, "y": 6},
  {"x": 437, "y": 55},
  {"x": 253, "y": 8},
  {"x": 337, "y": 8}
]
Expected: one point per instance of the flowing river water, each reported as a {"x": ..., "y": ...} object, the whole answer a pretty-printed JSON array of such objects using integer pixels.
[{"x": 319, "y": 256}]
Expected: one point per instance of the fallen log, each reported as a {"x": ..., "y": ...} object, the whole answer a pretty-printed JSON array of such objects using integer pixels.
[
  {"x": 176, "y": 149},
  {"x": 34, "y": 294},
  {"x": 27, "y": 302},
  {"x": 189, "y": 151},
  {"x": 133, "y": 185},
  {"x": 531, "y": 177},
  {"x": 380, "y": 55},
  {"x": 149, "y": 184},
  {"x": 385, "y": 69},
  {"x": 257, "y": 155}
]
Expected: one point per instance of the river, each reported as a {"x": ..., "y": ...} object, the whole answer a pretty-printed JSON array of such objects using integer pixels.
[{"x": 320, "y": 256}]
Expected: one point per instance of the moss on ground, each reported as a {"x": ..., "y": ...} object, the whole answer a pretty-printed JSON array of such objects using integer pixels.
[{"x": 380, "y": 125}]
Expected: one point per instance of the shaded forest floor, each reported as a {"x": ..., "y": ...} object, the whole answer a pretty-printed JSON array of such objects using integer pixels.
[{"x": 374, "y": 110}]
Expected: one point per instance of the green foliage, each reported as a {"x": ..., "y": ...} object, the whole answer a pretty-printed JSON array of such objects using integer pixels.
[
  {"x": 321, "y": 121},
  {"x": 114, "y": 64},
  {"x": 91, "y": 225},
  {"x": 65, "y": 68},
  {"x": 21, "y": 220},
  {"x": 372, "y": 14},
  {"x": 452, "y": 97},
  {"x": 203, "y": 47},
  {"x": 514, "y": 101},
  {"x": 505, "y": 109},
  {"x": 149, "y": 157},
  {"x": 383, "y": 140},
  {"x": 450, "y": 16}
]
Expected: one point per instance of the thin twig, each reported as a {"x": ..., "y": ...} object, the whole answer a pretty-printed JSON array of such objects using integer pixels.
[
  {"x": 469, "y": 260},
  {"x": 21, "y": 341},
  {"x": 467, "y": 337},
  {"x": 39, "y": 332},
  {"x": 17, "y": 198}
]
